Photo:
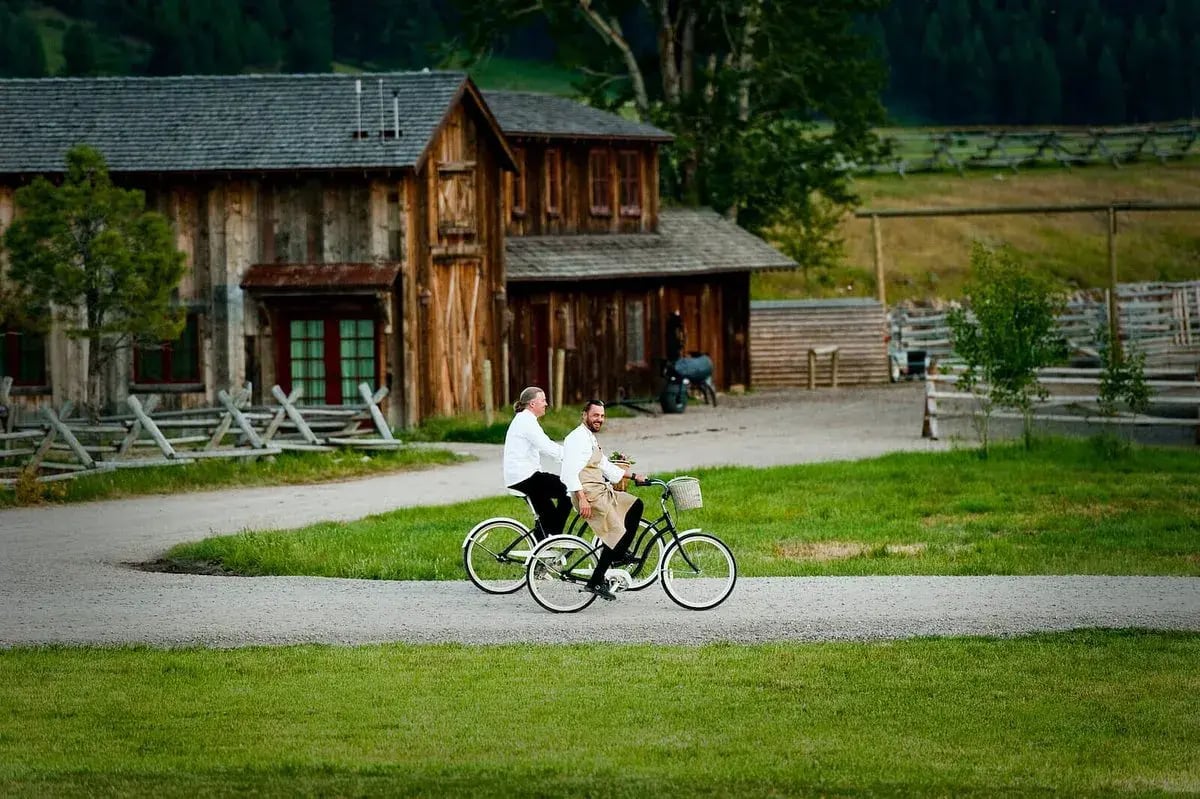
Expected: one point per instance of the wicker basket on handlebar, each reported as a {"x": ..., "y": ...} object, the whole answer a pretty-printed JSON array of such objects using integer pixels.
[
  {"x": 623, "y": 483},
  {"x": 685, "y": 491}
]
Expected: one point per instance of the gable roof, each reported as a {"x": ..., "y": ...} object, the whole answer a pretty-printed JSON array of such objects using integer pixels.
[
  {"x": 690, "y": 241},
  {"x": 233, "y": 122},
  {"x": 534, "y": 114}
]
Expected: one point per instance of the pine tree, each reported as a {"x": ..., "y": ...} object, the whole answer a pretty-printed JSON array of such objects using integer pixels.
[
  {"x": 79, "y": 51},
  {"x": 1110, "y": 91}
]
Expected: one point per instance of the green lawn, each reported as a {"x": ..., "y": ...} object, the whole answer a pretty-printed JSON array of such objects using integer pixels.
[
  {"x": 1078, "y": 714},
  {"x": 1062, "y": 508}
]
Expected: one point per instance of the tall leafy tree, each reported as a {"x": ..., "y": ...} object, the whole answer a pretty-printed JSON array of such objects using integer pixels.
[
  {"x": 79, "y": 51},
  {"x": 767, "y": 100},
  {"x": 87, "y": 254}
]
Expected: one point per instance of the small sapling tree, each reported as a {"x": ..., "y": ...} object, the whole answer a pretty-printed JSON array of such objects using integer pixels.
[
  {"x": 87, "y": 254},
  {"x": 1010, "y": 333}
]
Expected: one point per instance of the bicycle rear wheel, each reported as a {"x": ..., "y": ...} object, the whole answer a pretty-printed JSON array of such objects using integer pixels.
[
  {"x": 495, "y": 554},
  {"x": 699, "y": 571},
  {"x": 558, "y": 568}
]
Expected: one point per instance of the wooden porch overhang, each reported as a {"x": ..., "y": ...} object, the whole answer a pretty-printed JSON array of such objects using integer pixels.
[{"x": 320, "y": 278}]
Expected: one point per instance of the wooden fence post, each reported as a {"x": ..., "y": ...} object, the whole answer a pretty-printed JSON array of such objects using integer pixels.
[
  {"x": 372, "y": 401},
  {"x": 560, "y": 361},
  {"x": 7, "y": 412},
  {"x": 488, "y": 388},
  {"x": 929, "y": 423}
]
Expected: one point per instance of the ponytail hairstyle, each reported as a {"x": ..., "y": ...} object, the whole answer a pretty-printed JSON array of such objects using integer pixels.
[{"x": 527, "y": 396}]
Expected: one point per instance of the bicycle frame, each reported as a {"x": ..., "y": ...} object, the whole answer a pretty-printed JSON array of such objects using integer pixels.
[{"x": 663, "y": 528}]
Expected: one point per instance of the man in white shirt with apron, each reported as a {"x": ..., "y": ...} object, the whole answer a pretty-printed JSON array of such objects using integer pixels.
[
  {"x": 589, "y": 477},
  {"x": 524, "y": 444}
]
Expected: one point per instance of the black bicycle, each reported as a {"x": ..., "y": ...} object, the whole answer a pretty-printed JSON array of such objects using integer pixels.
[
  {"x": 496, "y": 551},
  {"x": 698, "y": 570}
]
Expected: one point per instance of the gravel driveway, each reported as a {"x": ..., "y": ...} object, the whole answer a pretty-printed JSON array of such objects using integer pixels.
[{"x": 64, "y": 578}]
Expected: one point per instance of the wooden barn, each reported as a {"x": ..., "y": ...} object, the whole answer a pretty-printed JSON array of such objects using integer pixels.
[
  {"x": 338, "y": 229},
  {"x": 595, "y": 265}
]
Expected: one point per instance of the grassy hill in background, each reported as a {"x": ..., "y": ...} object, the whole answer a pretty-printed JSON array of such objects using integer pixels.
[{"x": 928, "y": 257}]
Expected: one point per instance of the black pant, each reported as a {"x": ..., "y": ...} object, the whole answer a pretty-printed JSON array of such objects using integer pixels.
[
  {"x": 550, "y": 501},
  {"x": 607, "y": 555}
]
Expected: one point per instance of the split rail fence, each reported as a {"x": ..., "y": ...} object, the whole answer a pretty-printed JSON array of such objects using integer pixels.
[
  {"x": 961, "y": 150},
  {"x": 1160, "y": 320},
  {"x": 56, "y": 446},
  {"x": 1072, "y": 399}
]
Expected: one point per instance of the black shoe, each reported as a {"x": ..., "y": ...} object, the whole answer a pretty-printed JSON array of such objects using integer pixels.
[{"x": 600, "y": 591}]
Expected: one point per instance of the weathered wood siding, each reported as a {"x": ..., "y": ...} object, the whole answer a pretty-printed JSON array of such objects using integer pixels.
[
  {"x": 591, "y": 323},
  {"x": 574, "y": 211},
  {"x": 782, "y": 332},
  {"x": 458, "y": 208}
]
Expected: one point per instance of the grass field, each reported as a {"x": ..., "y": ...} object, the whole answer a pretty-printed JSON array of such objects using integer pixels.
[
  {"x": 1061, "y": 509},
  {"x": 1079, "y": 714},
  {"x": 929, "y": 257}
]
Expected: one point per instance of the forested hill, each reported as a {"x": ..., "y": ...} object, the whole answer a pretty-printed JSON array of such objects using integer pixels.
[{"x": 951, "y": 62}]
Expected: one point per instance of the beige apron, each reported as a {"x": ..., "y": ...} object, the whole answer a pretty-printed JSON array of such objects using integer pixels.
[{"x": 608, "y": 506}]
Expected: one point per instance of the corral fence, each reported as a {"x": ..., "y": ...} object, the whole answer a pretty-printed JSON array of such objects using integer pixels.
[
  {"x": 52, "y": 445},
  {"x": 1158, "y": 319},
  {"x": 963, "y": 149},
  {"x": 1071, "y": 399},
  {"x": 817, "y": 342}
]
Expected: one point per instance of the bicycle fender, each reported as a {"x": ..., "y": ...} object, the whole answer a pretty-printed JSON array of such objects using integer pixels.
[{"x": 492, "y": 520}]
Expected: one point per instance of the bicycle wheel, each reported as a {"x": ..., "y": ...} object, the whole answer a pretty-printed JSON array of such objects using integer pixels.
[
  {"x": 699, "y": 571},
  {"x": 558, "y": 568},
  {"x": 495, "y": 553}
]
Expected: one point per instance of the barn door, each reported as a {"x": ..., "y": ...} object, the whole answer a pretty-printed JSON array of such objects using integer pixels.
[{"x": 456, "y": 329}]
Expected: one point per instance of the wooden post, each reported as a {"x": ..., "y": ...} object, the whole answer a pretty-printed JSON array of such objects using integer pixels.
[
  {"x": 165, "y": 446},
  {"x": 560, "y": 362},
  {"x": 550, "y": 398},
  {"x": 235, "y": 413},
  {"x": 833, "y": 368},
  {"x": 69, "y": 437},
  {"x": 135, "y": 427},
  {"x": 929, "y": 422},
  {"x": 285, "y": 401},
  {"x": 504, "y": 372},
  {"x": 488, "y": 411},
  {"x": 1114, "y": 322},
  {"x": 877, "y": 235},
  {"x": 812, "y": 369},
  {"x": 6, "y": 408},
  {"x": 372, "y": 401}
]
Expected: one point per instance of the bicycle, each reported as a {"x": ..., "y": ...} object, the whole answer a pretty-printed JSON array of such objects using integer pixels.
[
  {"x": 698, "y": 570},
  {"x": 496, "y": 551}
]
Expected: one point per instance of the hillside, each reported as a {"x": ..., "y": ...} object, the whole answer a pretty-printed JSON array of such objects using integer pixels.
[{"x": 927, "y": 257}]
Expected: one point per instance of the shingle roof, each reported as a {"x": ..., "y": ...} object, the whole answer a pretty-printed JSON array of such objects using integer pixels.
[
  {"x": 533, "y": 114},
  {"x": 690, "y": 241},
  {"x": 202, "y": 123}
]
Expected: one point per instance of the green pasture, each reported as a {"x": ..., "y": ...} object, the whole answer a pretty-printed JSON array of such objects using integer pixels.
[
  {"x": 1075, "y": 714},
  {"x": 1066, "y": 507}
]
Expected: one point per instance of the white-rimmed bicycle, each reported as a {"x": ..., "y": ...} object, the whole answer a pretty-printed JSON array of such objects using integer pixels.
[{"x": 698, "y": 570}]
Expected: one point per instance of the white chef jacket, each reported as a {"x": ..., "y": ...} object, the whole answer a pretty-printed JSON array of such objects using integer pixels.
[
  {"x": 577, "y": 451},
  {"x": 524, "y": 444}
]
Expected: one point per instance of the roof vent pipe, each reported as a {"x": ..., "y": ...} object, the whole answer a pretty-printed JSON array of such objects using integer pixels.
[
  {"x": 396, "y": 110},
  {"x": 358, "y": 98},
  {"x": 382, "y": 124}
]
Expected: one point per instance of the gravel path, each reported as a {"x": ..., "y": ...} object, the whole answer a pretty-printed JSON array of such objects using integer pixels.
[{"x": 65, "y": 578}]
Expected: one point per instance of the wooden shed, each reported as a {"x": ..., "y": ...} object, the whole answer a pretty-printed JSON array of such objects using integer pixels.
[
  {"x": 604, "y": 301},
  {"x": 338, "y": 229},
  {"x": 783, "y": 331}
]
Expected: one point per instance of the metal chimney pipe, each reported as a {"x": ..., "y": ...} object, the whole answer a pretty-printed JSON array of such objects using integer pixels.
[{"x": 358, "y": 98}]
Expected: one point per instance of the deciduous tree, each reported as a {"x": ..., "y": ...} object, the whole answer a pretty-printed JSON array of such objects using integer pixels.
[
  {"x": 768, "y": 100},
  {"x": 87, "y": 254}
]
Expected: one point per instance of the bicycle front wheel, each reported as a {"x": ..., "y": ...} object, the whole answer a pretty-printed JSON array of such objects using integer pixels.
[
  {"x": 495, "y": 554},
  {"x": 699, "y": 571},
  {"x": 558, "y": 568}
]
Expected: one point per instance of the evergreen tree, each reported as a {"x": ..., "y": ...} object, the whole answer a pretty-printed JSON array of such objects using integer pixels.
[
  {"x": 1110, "y": 90},
  {"x": 79, "y": 51},
  {"x": 310, "y": 45}
]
